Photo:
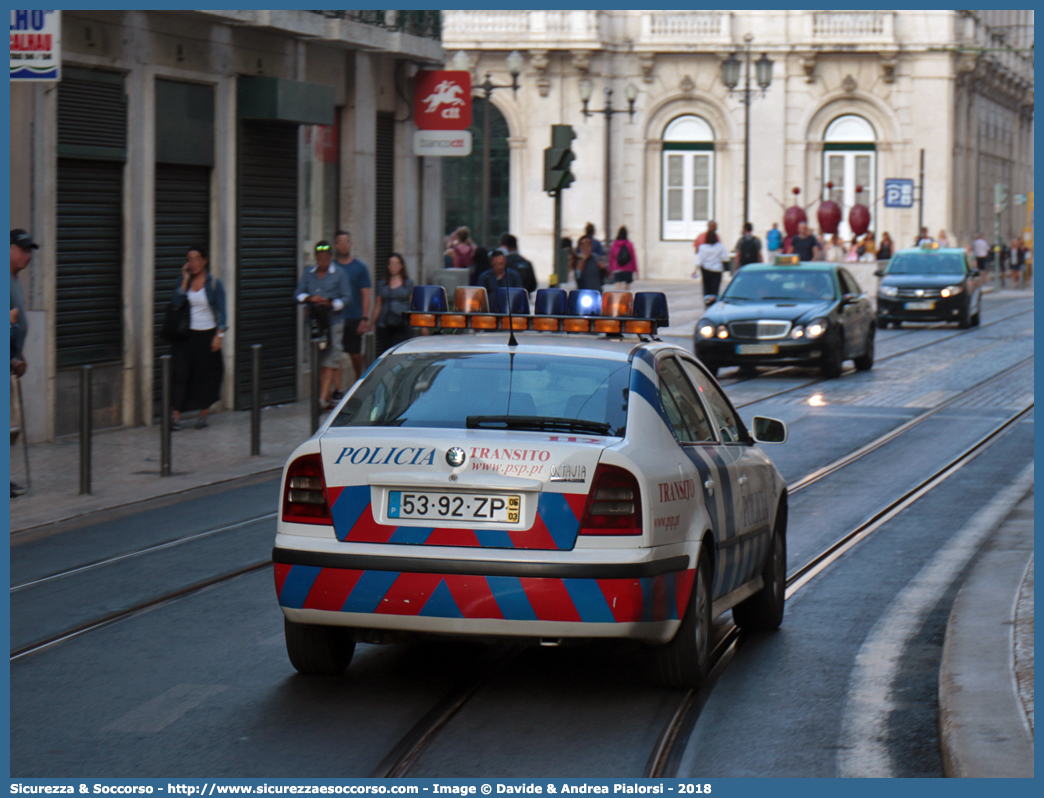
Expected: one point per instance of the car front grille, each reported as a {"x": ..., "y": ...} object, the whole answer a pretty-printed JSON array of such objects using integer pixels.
[
  {"x": 919, "y": 293},
  {"x": 760, "y": 329}
]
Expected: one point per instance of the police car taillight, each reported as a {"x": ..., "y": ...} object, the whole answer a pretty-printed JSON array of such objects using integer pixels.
[
  {"x": 304, "y": 495},
  {"x": 614, "y": 506}
]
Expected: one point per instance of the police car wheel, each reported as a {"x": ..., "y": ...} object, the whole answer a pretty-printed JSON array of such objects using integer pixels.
[
  {"x": 318, "y": 649},
  {"x": 685, "y": 661},
  {"x": 897, "y": 324},
  {"x": 965, "y": 320},
  {"x": 764, "y": 610}
]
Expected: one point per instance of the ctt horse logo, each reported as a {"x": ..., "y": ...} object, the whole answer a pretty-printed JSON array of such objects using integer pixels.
[
  {"x": 445, "y": 94},
  {"x": 442, "y": 100}
]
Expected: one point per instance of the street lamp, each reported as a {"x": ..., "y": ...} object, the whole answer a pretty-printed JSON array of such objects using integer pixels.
[
  {"x": 631, "y": 92},
  {"x": 514, "y": 65},
  {"x": 730, "y": 76}
]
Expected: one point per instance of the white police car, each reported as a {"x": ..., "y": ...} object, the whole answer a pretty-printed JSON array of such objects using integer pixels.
[{"x": 543, "y": 487}]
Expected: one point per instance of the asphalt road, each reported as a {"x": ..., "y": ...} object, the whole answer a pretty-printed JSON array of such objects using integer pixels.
[{"x": 201, "y": 684}]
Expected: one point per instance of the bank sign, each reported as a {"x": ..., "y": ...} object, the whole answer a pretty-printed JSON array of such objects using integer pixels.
[
  {"x": 36, "y": 45},
  {"x": 442, "y": 111}
]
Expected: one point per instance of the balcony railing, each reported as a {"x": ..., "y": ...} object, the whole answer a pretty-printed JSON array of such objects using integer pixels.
[
  {"x": 852, "y": 25},
  {"x": 521, "y": 27},
  {"x": 684, "y": 24},
  {"x": 427, "y": 24}
]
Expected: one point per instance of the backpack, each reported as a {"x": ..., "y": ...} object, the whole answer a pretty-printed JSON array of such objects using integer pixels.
[
  {"x": 749, "y": 250},
  {"x": 623, "y": 255},
  {"x": 773, "y": 239}
]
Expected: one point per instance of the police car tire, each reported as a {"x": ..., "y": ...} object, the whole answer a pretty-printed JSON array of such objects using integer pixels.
[
  {"x": 318, "y": 649},
  {"x": 685, "y": 661},
  {"x": 833, "y": 360},
  {"x": 764, "y": 610},
  {"x": 897, "y": 324}
]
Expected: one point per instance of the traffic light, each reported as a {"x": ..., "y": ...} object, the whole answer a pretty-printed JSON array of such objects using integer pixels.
[
  {"x": 1000, "y": 196},
  {"x": 558, "y": 157}
]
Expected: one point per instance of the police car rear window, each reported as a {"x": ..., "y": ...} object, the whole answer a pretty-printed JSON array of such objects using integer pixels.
[
  {"x": 492, "y": 390},
  {"x": 927, "y": 263},
  {"x": 790, "y": 284}
]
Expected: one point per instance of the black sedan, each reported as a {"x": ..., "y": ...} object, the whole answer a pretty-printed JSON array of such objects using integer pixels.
[
  {"x": 799, "y": 314},
  {"x": 929, "y": 284}
]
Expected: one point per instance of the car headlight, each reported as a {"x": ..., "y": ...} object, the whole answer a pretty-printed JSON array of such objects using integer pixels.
[
  {"x": 951, "y": 290},
  {"x": 705, "y": 329},
  {"x": 816, "y": 328},
  {"x": 888, "y": 290},
  {"x": 797, "y": 332},
  {"x": 723, "y": 331}
]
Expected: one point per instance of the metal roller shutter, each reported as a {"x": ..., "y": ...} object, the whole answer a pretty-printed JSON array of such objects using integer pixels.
[
  {"x": 384, "y": 199},
  {"x": 182, "y": 219},
  {"x": 267, "y": 263},
  {"x": 89, "y": 290}
]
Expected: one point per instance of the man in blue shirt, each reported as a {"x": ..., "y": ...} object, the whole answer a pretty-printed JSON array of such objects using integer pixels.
[
  {"x": 357, "y": 309},
  {"x": 499, "y": 276},
  {"x": 325, "y": 290}
]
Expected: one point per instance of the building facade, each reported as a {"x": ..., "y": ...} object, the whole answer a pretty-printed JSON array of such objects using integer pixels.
[
  {"x": 855, "y": 98},
  {"x": 255, "y": 133}
]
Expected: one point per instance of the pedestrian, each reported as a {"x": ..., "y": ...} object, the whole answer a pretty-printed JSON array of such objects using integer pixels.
[
  {"x": 596, "y": 246},
  {"x": 479, "y": 266},
  {"x": 748, "y": 247},
  {"x": 22, "y": 246},
  {"x": 710, "y": 259},
  {"x": 924, "y": 237},
  {"x": 622, "y": 260},
  {"x": 804, "y": 244},
  {"x": 835, "y": 250},
  {"x": 981, "y": 251},
  {"x": 852, "y": 254},
  {"x": 393, "y": 299},
  {"x": 462, "y": 249},
  {"x": 356, "y": 308},
  {"x": 509, "y": 244},
  {"x": 712, "y": 227},
  {"x": 587, "y": 271},
  {"x": 884, "y": 252},
  {"x": 326, "y": 290},
  {"x": 942, "y": 240},
  {"x": 565, "y": 261},
  {"x": 1018, "y": 261},
  {"x": 774, "y": 242},
  {"x": 498, "y": 275},
  {"x": 868, "y": 249},
  {"x": 197, "y": 366}
]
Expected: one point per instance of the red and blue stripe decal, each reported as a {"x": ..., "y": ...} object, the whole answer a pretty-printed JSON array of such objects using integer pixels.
[
  {"x": 556, "y": 527},
  {"x": 654, "y": 598}
]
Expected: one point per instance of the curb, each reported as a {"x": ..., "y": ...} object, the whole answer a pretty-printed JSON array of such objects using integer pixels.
[{"x": 983, "y": 728}]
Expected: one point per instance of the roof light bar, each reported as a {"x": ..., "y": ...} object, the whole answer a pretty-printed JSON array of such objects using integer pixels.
[{"x": 787, "y": 260}]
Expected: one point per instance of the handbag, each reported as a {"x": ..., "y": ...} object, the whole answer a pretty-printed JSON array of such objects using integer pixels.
[
  {"x": 623, "y": 255},
  {"x": 176, "y": 322}
]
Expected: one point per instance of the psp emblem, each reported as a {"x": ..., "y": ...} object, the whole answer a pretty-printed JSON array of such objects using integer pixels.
[{"x": 455, "y": 456}]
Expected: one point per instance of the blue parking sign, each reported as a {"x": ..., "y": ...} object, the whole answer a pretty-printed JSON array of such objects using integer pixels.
[{"x": 899, "y": 193}]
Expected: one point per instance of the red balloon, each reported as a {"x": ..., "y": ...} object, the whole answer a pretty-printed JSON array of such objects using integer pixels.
[
  {"x": 792, "y": 218},
  {"x": 829, "y": 216},
  {"x": 859, "y": 219}
]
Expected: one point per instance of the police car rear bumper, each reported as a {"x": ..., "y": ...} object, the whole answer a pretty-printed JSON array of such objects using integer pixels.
[{"x": 533, "y": 598}]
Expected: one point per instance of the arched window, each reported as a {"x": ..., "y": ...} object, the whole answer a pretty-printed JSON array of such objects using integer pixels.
[
  {"x": 688, "y": 178},
  {"x": 849, "y": 160},
  {"x": 462, "y": 179}
]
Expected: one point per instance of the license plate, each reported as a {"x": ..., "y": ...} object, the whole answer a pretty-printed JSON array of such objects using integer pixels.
[
  {"x": 757, "y": 349},
  {"x": 471, "y": 507},
  {"x": 920, "y": 306}
]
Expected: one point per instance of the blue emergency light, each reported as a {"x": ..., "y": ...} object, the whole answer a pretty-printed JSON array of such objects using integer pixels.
[
  {"x": 584, "y": 302},
  {"x": 429, "y": 299},
  {"x": 519, "y": 301},
  {"x": 551, "y": 302}
]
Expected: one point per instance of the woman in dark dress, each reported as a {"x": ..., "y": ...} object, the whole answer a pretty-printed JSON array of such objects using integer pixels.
[
  {"x": 197, "y": 367},
  {"x": 393, "y": 297}
]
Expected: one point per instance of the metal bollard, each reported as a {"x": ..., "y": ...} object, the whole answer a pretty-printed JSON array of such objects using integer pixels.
[
  {"x": 165, "y": 418},
  {"x": 255, "y": 400},
  {"x": 85, "y": 430},
  {"x": 315, "y": 384},
  {"x": 369, "y": 348}
]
